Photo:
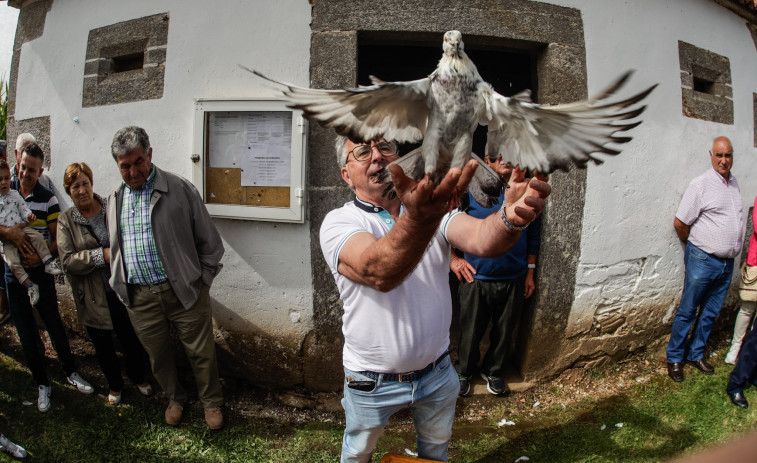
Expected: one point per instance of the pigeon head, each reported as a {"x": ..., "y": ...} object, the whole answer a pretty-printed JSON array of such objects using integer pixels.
[{"x": 453, "y": 42}]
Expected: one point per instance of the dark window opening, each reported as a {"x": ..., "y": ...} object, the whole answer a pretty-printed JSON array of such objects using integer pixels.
[
  {"x": 704, "y": 86},
  {"x": 509, "y": 71},
  {"x": 131, "y": 62}
]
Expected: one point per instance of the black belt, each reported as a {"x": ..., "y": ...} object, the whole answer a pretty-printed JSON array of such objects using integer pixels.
[{"x": 408, "y": 377}]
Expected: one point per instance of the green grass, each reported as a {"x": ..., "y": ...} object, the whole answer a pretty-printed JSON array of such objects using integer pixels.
[{"x": 661, "y": 420}]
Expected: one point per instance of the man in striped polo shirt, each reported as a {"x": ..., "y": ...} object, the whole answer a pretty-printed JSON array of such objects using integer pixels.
[
  {"x": 709, "y": 220},
  {"x": 43, "y": 204}
]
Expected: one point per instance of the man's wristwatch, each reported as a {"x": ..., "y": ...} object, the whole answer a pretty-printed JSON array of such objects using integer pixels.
[
  {"x": 507, "y": 222},
  {"x": 531, "y": 265}
]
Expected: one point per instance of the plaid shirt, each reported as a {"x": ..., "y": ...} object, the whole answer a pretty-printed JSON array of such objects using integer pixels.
[{"x": 141, "y": 259}]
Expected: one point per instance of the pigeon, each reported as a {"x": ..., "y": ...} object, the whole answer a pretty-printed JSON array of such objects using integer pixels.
[{"x": 444, "y": 109}]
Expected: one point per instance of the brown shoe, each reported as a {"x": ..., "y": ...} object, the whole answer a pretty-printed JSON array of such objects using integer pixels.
[
  {"x": 173, "y": 414},
  {"x": 214, "y": 417},
  {"x": 702, "y": 366},
  {"x": 675, "y": 371}
]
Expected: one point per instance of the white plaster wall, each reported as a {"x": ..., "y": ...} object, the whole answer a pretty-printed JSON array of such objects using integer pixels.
[
  {"x": 630, "y": 255},
  {"x": 266, "y": 284}
]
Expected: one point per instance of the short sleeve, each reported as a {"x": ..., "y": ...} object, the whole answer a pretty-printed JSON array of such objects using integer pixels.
[
  {"x": 691, "y": 204},
  {"x": 336, "y": 229},
  {"x": 446, "y": 220}
]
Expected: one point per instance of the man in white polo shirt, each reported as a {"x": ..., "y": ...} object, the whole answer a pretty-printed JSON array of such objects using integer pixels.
[
  {"x": 709, "y": 220},
  {"x": 389, "y": 258}
]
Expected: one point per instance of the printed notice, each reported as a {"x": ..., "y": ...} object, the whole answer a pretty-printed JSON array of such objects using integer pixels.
[
  {"x": 226, "y": 139},
  {"x": 266, "y": 154}
]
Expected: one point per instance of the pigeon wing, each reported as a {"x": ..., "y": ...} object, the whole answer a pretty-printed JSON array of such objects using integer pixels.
[
  {"x": 556, "y": 137},
  {"x": 394, "y": 110}
]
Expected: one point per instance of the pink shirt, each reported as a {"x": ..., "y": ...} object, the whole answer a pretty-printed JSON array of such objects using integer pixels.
[
  {"x": 751, "y": 254},
  {"x": 713, "y": 209}
]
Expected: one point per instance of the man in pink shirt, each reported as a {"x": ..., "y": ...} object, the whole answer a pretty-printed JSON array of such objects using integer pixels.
[{"x": 710, "y": 221}]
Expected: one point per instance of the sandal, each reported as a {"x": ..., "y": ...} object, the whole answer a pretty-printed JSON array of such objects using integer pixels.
[
  {"x": 145, "y": 390},
  {"x": 114, "y": 399}
]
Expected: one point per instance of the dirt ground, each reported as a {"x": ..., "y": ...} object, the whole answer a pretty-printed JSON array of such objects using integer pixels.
[{"x": 294, "y": 407}]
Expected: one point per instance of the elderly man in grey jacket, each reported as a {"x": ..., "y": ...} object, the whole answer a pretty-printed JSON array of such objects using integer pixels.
[{"x": 165, "y": 253}]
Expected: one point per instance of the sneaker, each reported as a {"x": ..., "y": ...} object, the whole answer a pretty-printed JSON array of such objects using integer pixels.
[
  {"x": 84, "y": 387},
  {"x": 53, "y": 268},
  {"x": 145, "y": 390},
  {"x": 494, "y": 384},
  {"x": 14, "y": 450},
  {"x": 33, "y": 294},
  {"x": 464, "y": 385},
  {"x": 43, "y": 401},
  {"x": 173, "y": 414},
  {"x": 214, "y": 417},
  {"x": 732, "y": 355}
]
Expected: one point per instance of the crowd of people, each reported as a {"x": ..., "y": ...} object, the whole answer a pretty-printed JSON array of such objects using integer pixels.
[{"x": 140, "y": 262}]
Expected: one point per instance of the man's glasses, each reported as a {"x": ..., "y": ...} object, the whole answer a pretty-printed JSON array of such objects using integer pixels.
[{"x": 362, "y": 153}]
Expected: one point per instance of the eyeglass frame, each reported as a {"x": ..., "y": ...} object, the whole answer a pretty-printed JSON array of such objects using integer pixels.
[{"x": 371, "y": 145}]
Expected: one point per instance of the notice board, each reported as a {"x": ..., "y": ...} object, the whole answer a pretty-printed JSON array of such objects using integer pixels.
[{"x": 249, "y": 159}]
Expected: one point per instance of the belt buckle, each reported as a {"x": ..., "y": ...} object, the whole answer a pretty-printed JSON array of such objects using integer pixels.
[{"x": 400, "y": 375}]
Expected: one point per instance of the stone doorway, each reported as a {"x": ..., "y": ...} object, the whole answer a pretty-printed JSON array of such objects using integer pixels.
[{"x": 552, "y": 39}]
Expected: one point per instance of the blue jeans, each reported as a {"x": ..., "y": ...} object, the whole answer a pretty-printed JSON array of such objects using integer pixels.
[
  {"x": 705, "y": 285},
  {"x": 432, "y": 402}
]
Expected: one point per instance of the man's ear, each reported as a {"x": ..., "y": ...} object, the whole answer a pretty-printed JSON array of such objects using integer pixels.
[{"x": 346, "y": 177}]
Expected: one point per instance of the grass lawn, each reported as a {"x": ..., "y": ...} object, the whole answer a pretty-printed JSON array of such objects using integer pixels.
[{"x": 648, "y": 419}]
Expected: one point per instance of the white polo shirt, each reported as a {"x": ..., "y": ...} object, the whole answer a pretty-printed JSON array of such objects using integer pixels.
[
  {"x": 406, "y": 328},
  {"x": 713, "y": 209}
]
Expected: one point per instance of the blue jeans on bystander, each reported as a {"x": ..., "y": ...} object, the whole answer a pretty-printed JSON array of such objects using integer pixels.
[
  {"x": 705, "y": 285},
  {"x": 432, "y": 402}
]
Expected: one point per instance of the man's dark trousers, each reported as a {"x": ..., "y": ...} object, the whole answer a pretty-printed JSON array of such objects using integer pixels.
[
  {"x": 481, "y": 302},
  {"x": 26, "y": 325}
]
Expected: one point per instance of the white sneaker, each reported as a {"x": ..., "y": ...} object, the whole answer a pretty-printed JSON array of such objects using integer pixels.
[
  {"x": 43, "y": 401},
  {"x": 15, "y": 450},
  {"x": 733, "y": 355},
  {"x": 76, "y": 380},
  {"x": 53, "y": 268},
  {"x": 33, "y": 294}
]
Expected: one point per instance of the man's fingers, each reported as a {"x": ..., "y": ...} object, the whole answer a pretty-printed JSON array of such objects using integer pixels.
[
  {"x": 534, "y": 202},
  {"x": 469, "y": 170},
  {"x": 448, "y": 184},
  {"x": 401, "y": 181},
  {"x": 527, "y": 215},
  {"x": 543, "y": 188}
]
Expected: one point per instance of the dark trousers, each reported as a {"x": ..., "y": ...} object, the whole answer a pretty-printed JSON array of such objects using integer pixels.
[
  {"x": 26, "y": 325},
  {"x": 483, "y": 301},
  {"x": 134, "y": 354},
  {"x": 745, "y": 371}
]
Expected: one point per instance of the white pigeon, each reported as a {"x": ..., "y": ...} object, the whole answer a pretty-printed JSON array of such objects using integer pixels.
[{"x": 444, "y": 109}]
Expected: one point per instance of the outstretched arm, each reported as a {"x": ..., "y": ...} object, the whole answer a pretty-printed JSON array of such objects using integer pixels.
[
  {"x": 383, "y": 263},
  {"x": 490, "y": 236}
]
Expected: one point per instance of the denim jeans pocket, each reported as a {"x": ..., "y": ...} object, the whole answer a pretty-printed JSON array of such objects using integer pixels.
[
  {"x": 444, "y": 364},
  {"x": 697, "y": 253},
  {"x": 358, "y": 382}
]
